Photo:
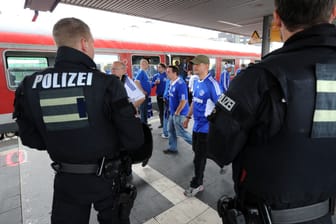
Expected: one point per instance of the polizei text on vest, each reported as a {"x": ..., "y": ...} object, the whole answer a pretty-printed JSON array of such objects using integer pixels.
[{"x": 63, "y": 80}]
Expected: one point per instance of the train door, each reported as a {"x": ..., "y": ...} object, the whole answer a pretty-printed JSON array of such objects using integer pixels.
[
  {"x": 153, "y": 62},
  {"x": 183, "y": 63},
  {"x": 152, "y": 70}
]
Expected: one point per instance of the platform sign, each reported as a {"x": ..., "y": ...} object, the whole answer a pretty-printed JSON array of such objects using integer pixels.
[{"x": 255, "y": 38}]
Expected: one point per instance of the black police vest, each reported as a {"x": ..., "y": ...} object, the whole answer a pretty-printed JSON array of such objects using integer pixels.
[
  {"x": 299, "y": 161},
  {"x": 69, "y": 109}
]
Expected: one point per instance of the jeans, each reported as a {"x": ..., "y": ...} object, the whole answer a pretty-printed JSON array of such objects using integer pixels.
[
  {"x": 175, "y": 128},
  {"x": 143, "y": 111},
  {"x": 165, "y": 118},
  {"x": 199, "y": 146}
]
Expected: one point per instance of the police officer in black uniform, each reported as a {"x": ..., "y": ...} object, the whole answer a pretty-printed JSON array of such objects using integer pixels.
[
  {"x": 276, "y": 123},
  {"x": 83, "y": 119}
]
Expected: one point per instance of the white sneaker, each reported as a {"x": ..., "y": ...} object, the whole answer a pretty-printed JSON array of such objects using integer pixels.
[
  {"x": 163, "y": 136},
  {"x": 191, "y": 192}
]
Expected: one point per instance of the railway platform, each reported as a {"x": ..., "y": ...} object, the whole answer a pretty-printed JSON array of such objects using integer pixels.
[{"x": 27, "y": 183}]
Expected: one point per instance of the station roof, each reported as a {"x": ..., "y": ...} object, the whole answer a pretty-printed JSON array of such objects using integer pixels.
[{"x": 232, "y": 16}]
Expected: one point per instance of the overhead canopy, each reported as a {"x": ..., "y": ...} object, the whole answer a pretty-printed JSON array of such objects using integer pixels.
[{"x": 232, "y": 16}]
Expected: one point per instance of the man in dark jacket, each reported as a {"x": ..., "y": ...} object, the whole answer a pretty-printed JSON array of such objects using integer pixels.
[
  {"x": 276, "y": 123},
  {"x": 82, "y": 117}
]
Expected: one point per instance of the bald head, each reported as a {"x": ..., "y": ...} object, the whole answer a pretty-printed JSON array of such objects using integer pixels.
[{"x": 118, "y": 69}]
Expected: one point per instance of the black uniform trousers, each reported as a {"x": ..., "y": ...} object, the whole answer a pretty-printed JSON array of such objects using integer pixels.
[
  {"x": 144, "y": 111},
  {"x": 159, "y": 100},
  {"x": 74, "y": 195},
  {"x": 199, "y": 146}
]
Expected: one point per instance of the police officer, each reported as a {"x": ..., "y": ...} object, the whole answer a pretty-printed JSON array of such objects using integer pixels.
[
  {"x": 276, "y": 122},
  {"x": 82, "y": 117}
]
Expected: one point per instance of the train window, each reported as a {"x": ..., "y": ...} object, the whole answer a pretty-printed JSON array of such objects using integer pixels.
[
  {"x": 104, "y": 62},
  {"x": 244, "y": 61},
  {"x": 19, "y": 67},
  {"x": 226, "y": 62},
  {"x": 212, "y": 67},
  {"x": 153, "y": 62}
]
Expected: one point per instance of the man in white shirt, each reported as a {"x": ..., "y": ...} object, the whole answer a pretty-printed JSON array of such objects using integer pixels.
[
  {"x": 134, "y": 94},
  {"x": 192, "y": 80}
]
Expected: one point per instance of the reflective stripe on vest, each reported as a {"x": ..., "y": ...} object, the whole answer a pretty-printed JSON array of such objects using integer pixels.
[
  {"x": 63, "y": 109},
  {"x": 324, "y": 122}
]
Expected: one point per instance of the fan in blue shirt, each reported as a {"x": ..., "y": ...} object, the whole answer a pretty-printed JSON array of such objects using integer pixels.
[
  {"x": 178, "y": 91},
  {"x": 178, "y": 106},
  {"x": 142, "y": 81},
  {"x": 224, "y": 79},
  {"x": 159, "y": 80},
  {"x": 206, "y": 92}
]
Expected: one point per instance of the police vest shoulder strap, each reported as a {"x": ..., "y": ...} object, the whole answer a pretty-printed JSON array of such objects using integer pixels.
[{"x": 278, "y": 75}]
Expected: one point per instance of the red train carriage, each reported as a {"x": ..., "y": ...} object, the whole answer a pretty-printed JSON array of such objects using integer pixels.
[{"x": 23, "y": 53}]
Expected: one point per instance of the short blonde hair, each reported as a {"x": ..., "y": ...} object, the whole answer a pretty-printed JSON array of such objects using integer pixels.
[
  {"x": 68, "y": 31},
  {"x": 144, "y": 60}
]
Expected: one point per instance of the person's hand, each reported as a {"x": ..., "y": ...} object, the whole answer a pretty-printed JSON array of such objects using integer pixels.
[{"x": 185, "y": 123}]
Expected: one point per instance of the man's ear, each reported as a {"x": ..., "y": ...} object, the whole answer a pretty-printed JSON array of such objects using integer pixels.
[
  {"x": 333, "y": 14},
  {"x": 84, "y": 45}
]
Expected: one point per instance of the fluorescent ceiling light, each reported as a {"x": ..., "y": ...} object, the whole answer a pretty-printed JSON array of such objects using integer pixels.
[{"x": 228, "y": 23}]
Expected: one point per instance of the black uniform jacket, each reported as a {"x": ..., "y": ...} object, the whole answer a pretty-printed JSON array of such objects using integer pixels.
[
  {"x": 268, "y": 124},
  {"x": 75, "y": 112}
]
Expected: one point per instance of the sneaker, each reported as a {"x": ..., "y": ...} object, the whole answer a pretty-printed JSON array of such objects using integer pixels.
[
  {"x": 169, "y": 151},
  {"x": 191, "y": 192},
  {"x": 163, "y": 136}
]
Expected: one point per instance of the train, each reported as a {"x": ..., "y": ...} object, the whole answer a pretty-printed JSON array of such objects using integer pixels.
[{"x": 24, "y": 53}]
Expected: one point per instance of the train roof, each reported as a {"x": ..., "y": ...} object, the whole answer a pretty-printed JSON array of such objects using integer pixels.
[
  {"x": 39, "y": 33},
  {"x": 14, "y": 39},
  {"x": 239, "y": 16}
]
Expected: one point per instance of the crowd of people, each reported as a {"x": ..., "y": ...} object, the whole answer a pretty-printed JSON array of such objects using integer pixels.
[{"x": 275, "y": 122}]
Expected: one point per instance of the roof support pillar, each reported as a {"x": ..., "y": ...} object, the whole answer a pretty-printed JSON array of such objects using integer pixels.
[{"x": 266, "y": 35}]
